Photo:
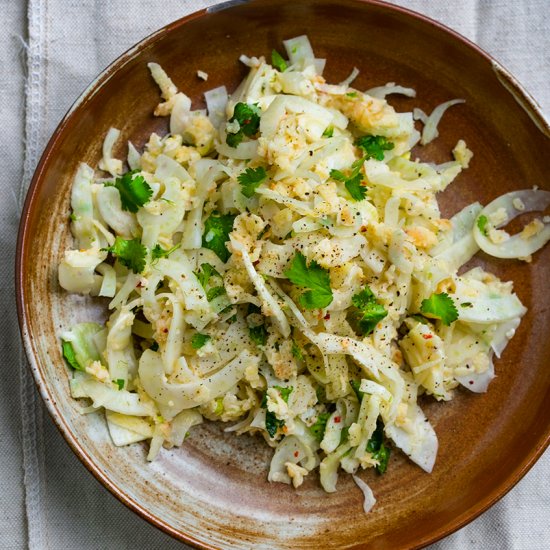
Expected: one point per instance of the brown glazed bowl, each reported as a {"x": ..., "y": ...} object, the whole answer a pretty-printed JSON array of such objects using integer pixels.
[{"x": 213, "y": 492}]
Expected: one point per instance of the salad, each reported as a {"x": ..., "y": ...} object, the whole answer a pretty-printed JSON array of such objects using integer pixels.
[{"x": 278, "y": 262}]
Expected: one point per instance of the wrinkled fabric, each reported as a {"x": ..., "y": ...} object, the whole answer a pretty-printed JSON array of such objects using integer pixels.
[{"x": 49, "y": 51}]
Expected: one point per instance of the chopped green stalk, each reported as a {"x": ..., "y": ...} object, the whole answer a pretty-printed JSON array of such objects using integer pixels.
[{"x": 278, "y": 62}]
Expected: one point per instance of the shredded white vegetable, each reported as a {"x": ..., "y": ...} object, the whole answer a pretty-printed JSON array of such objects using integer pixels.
[{"x": 280, "y": 263}]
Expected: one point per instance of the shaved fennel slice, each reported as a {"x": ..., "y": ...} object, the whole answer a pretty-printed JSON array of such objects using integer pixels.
[
  {"x": 134, "y": 158},
  {"x": 270, "y": 304},
  {"x": 177, "y": 397},
  {"x": 478, "y": 382},
  {"x": 109, "y": 397},
  {"x": 119, "y": 351},
  {"x": 367, "y": 356},
  {"x": 419, "y": 441},
  {"x": 299, "y": 51},
  {"x": 369, "y": 500},
  {"x": 381, "y": 92},
  {"x": 516, "y": 246},
  {"x": 125, "y": 430},
  {"x": 108, "y": 284},
  {"x": 503, "y": 334},
  {"x": 461, "y": 226},
  {"x": 430, "y": 131},
  {"x": 83, "y": 207},
  {"x": 108, "y": 163},
  {"x": 110, "y": 207},
  {"x": 216, "y": 102},
  {"x": 244, "y": 151},
  {"x": 353, "y": 75},
  {"x": 419, "y": 114}
]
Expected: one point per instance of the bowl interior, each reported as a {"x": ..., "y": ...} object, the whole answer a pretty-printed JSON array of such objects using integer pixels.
[{"x": 213, "y": 491}]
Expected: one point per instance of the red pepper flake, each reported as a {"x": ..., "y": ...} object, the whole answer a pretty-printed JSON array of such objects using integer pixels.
[
  {"x": 337, "y": 419},
  {"x": 139, "y": 285},
  {"x": 427, "y": 336},
  {"x": 470, "y": 382},
  {"x": 296, "y": 454},
  {"x": 255, "y": 263},
  {"x": 326, "y": 317}
]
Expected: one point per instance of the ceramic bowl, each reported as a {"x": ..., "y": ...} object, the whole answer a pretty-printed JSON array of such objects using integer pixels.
[{"x": 213, "y": 491}]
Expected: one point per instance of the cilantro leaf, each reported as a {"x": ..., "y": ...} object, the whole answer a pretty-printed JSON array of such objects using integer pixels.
[
  {"x": 154, "y": 346},
  {"x": 248, "y": 117},
  {"x": 272, "y": 423},
  {"x": 313, "y": 277},
  {"x": 420, "y": 319},
  {"x": 206, "y": 271},
  {"x": 250, "y": 179},
  {"x": 199, "y": 340},
  {"x": 258, "y": 335},
  {"x": 134, "y": 190},
  {"x": 216, "y": 233},
  {"x": 374, "y": 146},
  {"x": 69, "y": 355},
  {"x": 131, "y": 253},
  {"x": 278, "y": 62},
  {"x": 214, "y": 292},
  {"x": 352, "y": 182},
  {"x": 355, "y": 385},
  {"x": 369, "y": 312},
  {"x": 157, "y": 252},
  {"x": 378, "y": 450},
  {"x": 344, "y": 435},
  {"x": 297, "y": 353},
  {"x": 120, "y": 383},
  {"x": 440, "y": 306},
  {"x": 318, "y": 429},
  {"x": 354, "y": 187},
  {"x": 284, "y": 391},
  {"x": 329, "y": 132},
  {"x": 482, "y": 222}
]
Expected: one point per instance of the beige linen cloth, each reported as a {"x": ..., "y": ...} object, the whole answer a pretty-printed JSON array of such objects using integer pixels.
[{"x": 49, "y": 51}]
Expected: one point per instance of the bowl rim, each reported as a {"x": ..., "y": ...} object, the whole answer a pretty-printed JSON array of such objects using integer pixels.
[{"x": 514, "y": 87}]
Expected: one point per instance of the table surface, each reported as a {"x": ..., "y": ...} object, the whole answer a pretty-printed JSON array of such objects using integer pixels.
[{"x": 50, "y": 50}]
